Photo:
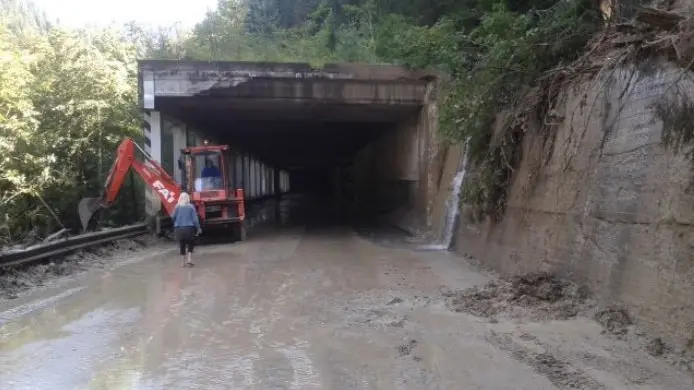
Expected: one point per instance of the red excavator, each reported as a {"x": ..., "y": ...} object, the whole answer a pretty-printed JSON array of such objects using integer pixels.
[{"x": 205, "y": 178}]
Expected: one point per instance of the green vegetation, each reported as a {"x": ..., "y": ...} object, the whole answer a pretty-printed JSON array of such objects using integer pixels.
[
  {"x": 66, "y": 100},
  {"x": 513, "y": 52},
  {"x": 68, "y": 97}
]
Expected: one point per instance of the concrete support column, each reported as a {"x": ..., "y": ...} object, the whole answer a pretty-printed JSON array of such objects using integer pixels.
[
  {"x": 432, "y": 156},
  {"x": 152, "y": 135},
  {"x": 180, "y": 140},
  {"x": 277, "y": 193},
  {"x": 277, "y": 181},
  {"x": 195, "y": 136}
]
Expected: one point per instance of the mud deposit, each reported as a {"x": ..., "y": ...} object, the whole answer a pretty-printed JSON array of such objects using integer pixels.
[
  {"x": 540, "y": 296},
  {"x": 15, "y": 280},
  {"x": 543, "y": 298},
  {"x": 561, "y": 373},
  {"x": 406, "y": 349},
  {"x": 307, "y": 308},
  {"x": 614, "y": 320}
]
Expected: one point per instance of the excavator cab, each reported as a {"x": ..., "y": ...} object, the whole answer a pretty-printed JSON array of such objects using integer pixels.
[{"x": 203, "y": 170}]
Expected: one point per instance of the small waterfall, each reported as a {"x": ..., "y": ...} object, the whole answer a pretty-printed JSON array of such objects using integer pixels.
[{"x": 452, "y": 209}]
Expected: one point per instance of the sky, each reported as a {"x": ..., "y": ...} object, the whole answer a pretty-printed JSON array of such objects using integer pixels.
[{"x": 77, "y": 13}]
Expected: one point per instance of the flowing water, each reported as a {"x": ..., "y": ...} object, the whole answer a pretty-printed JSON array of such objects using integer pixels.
[{"x": 452, "y": 210}]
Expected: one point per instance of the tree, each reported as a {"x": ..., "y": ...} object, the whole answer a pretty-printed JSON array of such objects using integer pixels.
[{"x": 66, "y": 99}]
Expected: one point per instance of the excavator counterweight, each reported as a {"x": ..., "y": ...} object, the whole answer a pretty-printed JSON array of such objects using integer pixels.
[{"x": 204, "y": 178}]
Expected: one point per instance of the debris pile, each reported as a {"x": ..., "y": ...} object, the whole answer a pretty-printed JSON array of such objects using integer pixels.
[
  {"x": 656, "y": 347},
  {"x": 540, "y": 295},
  {"x": 653, "y": 33},
  {"x": 406, "y": 349},
  {"x": 614, "y": 320}
]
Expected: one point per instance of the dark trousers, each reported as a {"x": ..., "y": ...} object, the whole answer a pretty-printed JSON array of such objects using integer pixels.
[{"x": 185, "y": 236}]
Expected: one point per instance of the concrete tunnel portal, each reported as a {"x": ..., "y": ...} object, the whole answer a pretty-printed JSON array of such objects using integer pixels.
[{"x": 351, "y": 131}]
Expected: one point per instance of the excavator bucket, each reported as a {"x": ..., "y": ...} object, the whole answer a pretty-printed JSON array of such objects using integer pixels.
[{"x": 86, "y": 208}]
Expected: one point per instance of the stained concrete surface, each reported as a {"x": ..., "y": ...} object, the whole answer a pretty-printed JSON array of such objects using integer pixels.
[
  {"x": 604, "y": 202},
  {"x": 301, "y": 307}
]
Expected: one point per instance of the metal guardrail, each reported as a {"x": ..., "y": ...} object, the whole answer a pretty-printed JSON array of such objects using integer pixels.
[
  {"x": 71, "y": 244},
  {"x": 162, "y": 224}
]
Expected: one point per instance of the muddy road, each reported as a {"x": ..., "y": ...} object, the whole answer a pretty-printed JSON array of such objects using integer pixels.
[{"x": 299, "y": 308}]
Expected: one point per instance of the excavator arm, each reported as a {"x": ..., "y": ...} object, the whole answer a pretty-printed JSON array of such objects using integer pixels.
[{"x": 151, "y": 172}]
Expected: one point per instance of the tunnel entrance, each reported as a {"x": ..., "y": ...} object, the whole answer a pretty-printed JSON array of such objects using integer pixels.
[{"x": 352, "y": 135}]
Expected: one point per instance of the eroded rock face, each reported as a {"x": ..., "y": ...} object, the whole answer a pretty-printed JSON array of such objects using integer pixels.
[{"x": 603, "y": 202}]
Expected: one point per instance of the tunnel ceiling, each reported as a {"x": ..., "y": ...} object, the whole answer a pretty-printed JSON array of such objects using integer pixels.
[
  {"x": 295, "y": 135},
  {"x": 250, "y": 109},
  {"x": 291, "y": 115}
]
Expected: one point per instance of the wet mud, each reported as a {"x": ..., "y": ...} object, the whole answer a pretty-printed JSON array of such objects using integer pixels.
[
  {"x": 614, "y": 320},
  {"x": 562, "y": 374},
  {"x": 312, "y": 306},
  {"x": 540, "y": 296},
  {"x": 18, "y": 279}
]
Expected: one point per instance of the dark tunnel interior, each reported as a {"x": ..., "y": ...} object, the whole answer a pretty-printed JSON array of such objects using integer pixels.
[
  {"x": 310, "y": 151},
  {"x": 310, "y": 141}
]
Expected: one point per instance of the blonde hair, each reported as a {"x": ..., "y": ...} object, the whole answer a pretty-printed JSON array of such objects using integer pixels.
[{"x": 183, "y": 199}]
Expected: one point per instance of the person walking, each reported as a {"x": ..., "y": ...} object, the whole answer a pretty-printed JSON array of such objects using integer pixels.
[{"x": 186, "y": 226}]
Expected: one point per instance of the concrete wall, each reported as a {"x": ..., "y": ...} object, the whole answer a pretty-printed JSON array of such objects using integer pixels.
[
  {"x": 432, "y": 154},
  {"x": 385, "y": 171},
  {"x": 344, "y": 82},
  {"x": 610, "y": 207},
  {"x": 451, "y": 159},
  {"x": 399, "y": 172},
  {"x": 153, "y": 146},
  {"x": 174, "y": 138},
  {"x": 164, "y": 137}
]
